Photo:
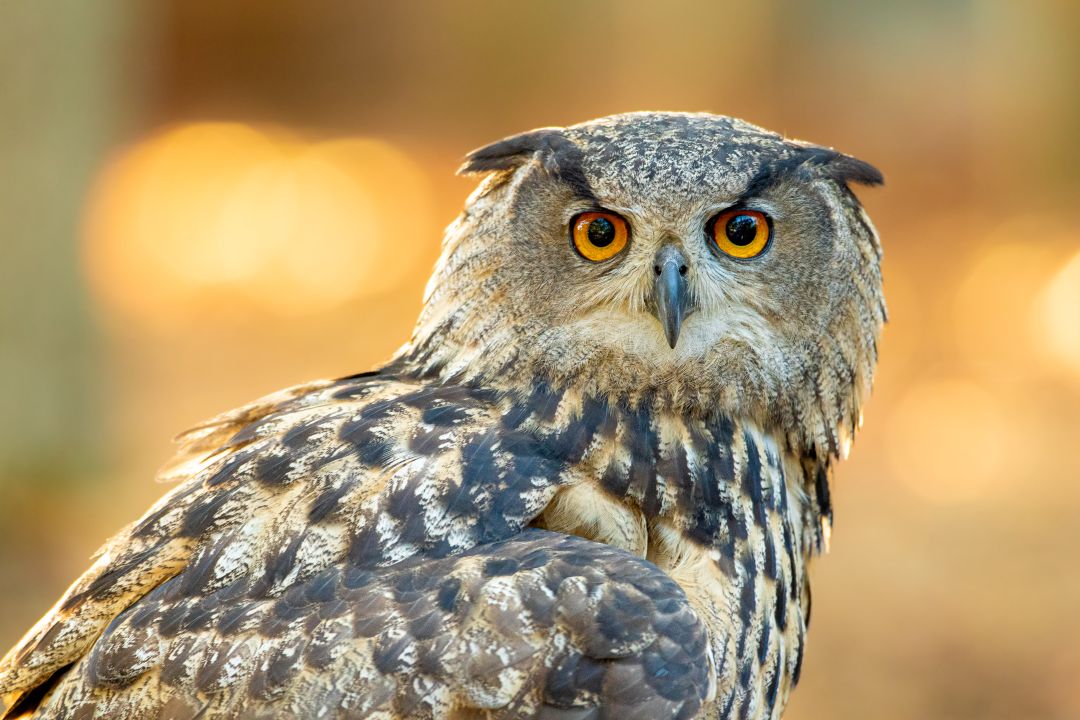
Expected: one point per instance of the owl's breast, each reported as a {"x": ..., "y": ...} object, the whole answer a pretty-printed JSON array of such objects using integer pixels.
[{"x": 718, "y": 507}]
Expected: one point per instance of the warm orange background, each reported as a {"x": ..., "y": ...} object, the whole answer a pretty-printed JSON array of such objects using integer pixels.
[{"x": 201, "y": 202}]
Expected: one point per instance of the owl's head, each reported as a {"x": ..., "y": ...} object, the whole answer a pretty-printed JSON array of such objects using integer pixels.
[{"x": 689, "y": 260}]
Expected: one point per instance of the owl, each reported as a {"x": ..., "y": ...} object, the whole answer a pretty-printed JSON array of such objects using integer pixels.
[{"x": 589, "y": 486}]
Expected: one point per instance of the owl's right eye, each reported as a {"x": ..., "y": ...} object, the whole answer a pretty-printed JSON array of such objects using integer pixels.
[
  {"x": 599, "y": 236},
  {"x": 740, "y": 232}
]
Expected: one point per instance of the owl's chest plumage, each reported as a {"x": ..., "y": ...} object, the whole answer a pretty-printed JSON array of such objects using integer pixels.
[{"x": 711, "y": 503}]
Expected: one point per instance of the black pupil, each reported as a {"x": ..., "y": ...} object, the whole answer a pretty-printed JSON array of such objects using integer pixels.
[
  {"x": 742, "y": 229},
  {"x": 601, "y": 232}
]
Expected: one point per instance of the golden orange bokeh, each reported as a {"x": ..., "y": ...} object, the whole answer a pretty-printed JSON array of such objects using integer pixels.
[
  {"x": 207, "y": 213},
  {"x": 1057, "y": 313},
  {"x": 203, "y": 202}
]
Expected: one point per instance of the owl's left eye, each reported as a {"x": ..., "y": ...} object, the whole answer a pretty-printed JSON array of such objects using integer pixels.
[
  {"x": 740, "y": 233},
  {"x": 599, "y": 236}
]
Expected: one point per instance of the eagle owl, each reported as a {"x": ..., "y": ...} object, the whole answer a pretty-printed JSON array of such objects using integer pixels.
[{"x": 588, "y": 487}]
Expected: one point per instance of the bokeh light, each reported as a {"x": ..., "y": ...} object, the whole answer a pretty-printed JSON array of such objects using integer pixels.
[
  {"x": 947, "y": 440},
  {"x": 997, "y": 294},
  {"x": 1057, "y": 315},
  {"x": 211, "y": 213}
]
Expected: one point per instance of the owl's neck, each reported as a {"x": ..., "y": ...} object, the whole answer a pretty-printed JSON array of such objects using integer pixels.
[
  {"x": 656, "y": 416},
  {"x": 665, "y": 462},
  {"x": 815, "y": 417}
]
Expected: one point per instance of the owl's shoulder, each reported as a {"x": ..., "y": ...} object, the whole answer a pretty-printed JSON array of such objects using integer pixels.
[{"x": 277, "y": 490}]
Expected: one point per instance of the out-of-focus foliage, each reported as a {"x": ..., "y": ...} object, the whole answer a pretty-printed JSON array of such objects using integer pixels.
[{"x": 201, "y": 202}]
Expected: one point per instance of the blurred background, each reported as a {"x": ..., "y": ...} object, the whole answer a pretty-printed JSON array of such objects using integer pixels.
[{"x": 201, "y": 202}]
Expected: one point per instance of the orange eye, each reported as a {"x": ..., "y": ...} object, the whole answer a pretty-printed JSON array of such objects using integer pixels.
[
  {"x": 741, "y": 233},
  {"x": 599, "y": 236}
]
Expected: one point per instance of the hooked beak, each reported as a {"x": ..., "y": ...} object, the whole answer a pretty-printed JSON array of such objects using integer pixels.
[{"x": 670, "y": 295}]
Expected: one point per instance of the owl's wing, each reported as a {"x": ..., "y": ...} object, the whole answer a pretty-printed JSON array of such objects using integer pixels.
[
  {"x": 134, "y": 561},
  {"x": 378, "y": 476},
  {"x": 540, "y": 625}
]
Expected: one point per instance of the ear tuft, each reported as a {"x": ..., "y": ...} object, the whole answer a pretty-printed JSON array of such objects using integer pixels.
[
  {"x": 848, "y": 169},
  {"x": 509, "y": 153},
  {"x": 835, "y": 165},
  {"x": 558, "y": 156}
]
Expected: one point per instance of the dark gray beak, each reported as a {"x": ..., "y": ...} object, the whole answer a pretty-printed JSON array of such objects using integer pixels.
[{"x": 670, "y": 295}]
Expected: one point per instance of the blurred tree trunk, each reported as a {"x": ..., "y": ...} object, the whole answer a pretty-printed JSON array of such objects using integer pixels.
[{"x": 60, "y": 70}]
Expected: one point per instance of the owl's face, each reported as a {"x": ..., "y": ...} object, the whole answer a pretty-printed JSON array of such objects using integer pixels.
[{"x": 690, "y": 255}]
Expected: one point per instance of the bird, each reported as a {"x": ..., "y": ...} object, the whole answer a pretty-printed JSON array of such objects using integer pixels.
[{"x": 589, "y": 486}]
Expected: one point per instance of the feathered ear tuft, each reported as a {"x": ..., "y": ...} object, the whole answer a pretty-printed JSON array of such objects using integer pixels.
[
  {"x": 509, "y": 153},
  {"x": 848, "y": 169},
  {"x": 557, "y": 154},
  {"x": 835, "y": 165}
]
